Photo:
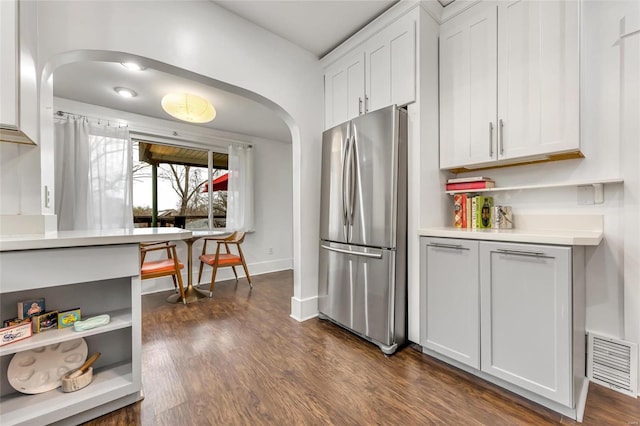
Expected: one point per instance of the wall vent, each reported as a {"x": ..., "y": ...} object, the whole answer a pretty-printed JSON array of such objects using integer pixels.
[{"x": 613, "y": 363}]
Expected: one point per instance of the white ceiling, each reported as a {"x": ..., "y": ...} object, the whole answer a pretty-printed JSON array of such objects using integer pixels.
[
  {"x": 93, "y": 83},
  {"x": 315, "y": 25}
]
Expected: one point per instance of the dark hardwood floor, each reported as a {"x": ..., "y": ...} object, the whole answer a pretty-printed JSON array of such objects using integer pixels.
[{"x": 240, "y": 359}]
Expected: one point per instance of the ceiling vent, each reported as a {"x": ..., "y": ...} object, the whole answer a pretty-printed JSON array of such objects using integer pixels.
[{"x": 613, "y": 363}]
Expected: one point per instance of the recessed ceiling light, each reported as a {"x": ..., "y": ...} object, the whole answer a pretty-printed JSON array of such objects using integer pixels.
[
  {"x": 188, "y": 107},
  {"x": 124, "y": 92},
  {"x": 132, "y": 66}
]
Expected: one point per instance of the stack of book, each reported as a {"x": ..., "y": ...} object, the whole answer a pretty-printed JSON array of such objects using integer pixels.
[
  {"x": 472, "y": 211},
  {"x": 470, "y": 183}
]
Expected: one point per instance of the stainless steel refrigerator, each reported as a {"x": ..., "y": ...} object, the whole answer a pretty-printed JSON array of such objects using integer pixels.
[{"x": 363, "y": 221}]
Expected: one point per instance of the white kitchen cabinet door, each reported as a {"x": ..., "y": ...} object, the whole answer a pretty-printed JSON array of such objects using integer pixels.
[
  {"x": 538, "y": 79},
  {"x": 468, "y": 87},
  {"x": 19, "y": 104},
  {"x": 391, "y": 65},
  {"x": 451, "y": 303},
  {"x": 9, "y": 63},
  {"x": 344, "y": 85},
  {"x": 525, "y": 293}
]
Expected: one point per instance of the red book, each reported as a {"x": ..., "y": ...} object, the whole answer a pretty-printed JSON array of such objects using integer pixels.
[
  {"x": 471, "y": 185},
  {"x": 464, "y": 210}
]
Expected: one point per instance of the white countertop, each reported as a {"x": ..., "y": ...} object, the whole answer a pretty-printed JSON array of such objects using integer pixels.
[
  {"x": 567, "y": 238},
  {"x": 570, "y": 230},
  {"x": 90, "y": 238}
]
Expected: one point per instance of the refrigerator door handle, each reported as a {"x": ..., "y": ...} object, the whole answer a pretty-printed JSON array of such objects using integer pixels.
[
  {"x": 354, "y": 253},
  {"x": 345, "y": 206},
  {"x": 353, "y": 174}
]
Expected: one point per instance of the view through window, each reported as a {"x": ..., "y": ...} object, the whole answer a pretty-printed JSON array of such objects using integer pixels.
[{"x": 181, "y": 178}]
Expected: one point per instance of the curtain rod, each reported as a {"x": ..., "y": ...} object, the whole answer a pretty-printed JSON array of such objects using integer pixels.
[{"x": 60, "y": 113}]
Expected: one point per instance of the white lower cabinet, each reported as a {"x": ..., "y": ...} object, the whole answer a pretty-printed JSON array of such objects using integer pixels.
[
  {"x": 452, "y": 299},
  {"x": 512, "y": 312},
  {"x": 98, "y": 280},
  {"x": 526, "y": 317}
]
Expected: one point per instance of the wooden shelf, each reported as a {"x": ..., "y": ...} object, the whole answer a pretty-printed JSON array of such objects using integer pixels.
[{"x": 541, "y": 186}]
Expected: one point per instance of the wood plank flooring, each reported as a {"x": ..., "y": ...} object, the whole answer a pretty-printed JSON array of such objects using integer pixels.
[{"x": 240, "y": 359}]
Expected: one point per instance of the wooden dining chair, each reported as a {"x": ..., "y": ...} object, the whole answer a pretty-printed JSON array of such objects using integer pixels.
[
  {"x": 170, "y": 266},
  {"x": 221, "y": 259}
]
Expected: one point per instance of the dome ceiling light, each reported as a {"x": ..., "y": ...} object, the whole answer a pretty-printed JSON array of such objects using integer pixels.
[
  {"x": 188, "y": 107},
  {"x": 124, "y": 92},
  {"x": 133, "y": 66}
]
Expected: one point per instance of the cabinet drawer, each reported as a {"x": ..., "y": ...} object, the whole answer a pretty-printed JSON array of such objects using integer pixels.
[{"x": 29, "y": 269}]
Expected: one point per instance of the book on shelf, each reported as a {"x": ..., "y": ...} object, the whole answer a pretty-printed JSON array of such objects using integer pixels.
[
  {"x": 469, "y": 198},
  {"x": 460, "y": 186},
  {"x": 457, "y": 210},
  {"x": 29, "y": 308},
  {"x": 468, "y": 179},
  {"x": 483, "y": 211}
]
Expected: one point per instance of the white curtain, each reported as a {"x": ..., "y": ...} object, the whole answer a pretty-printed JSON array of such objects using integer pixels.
[
  {"x": 93, "y": 178},
  {"x": 240, "y": 189}
]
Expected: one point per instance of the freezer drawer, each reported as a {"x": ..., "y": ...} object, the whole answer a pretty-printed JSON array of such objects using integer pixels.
[{"x": 357, "y": 289}]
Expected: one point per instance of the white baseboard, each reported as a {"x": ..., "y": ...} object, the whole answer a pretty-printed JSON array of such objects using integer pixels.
[
  {"x": 304, "y": 309},
  {"x": 165, "y": 283}
]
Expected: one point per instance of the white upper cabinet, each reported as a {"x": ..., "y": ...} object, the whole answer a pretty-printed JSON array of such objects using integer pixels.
[
  {"x": 379, "y": 72},
  {"x": 344, "y": 90},
  {"x": 468, "y": 86},
  {"x": 18, "y": 72},
  {"x": 509, "y": 83},
  {"x": 538, "y": 78}
]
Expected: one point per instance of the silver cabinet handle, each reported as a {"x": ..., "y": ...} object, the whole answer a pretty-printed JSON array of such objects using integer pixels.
[
  {"x": 522, "y": 252},
  {"x": 366, "y": 103},
  {"x": 354, "y": 253},
  {"x": 501, "y": 138},
  {"x": 448, "y": 246},
  {"x": 359, "y": 106},
  {"x": 491, "y": 139}
]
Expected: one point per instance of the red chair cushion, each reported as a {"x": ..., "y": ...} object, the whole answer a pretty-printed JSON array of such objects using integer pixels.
[
  {"x": 159, "y": 266},
  {"x": 223, "y": 260}
]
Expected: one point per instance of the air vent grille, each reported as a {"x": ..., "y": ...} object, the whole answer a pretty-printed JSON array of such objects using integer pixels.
[{"x": 613, "y": 363}]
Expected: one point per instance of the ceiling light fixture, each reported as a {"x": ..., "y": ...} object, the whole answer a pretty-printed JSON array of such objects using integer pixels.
[
  {"x": 124, "y": 92},
  {"x": 188, "y": 107},
  {"x": 132, "y": 66}
]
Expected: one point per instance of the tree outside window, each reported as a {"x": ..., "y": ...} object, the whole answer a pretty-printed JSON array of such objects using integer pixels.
[{"x": 182, "y": 175}]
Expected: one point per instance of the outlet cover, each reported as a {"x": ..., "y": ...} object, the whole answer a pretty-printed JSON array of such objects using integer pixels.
[{"x": 586, "y": 195}]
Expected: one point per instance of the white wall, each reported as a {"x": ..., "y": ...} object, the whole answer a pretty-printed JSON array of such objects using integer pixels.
[
  {"x": 205, "y": 39},
  {"x": 273, "y": 196},
  {"x": 610, "y": 113}
]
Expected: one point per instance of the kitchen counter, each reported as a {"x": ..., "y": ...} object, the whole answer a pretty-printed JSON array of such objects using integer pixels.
[
  {"x": 90, "y": 238},
  {"x": 570, "y": 230}
]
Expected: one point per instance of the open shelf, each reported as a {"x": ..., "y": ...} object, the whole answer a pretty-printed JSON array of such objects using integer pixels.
[
  {"x": 119, "y": 319},
  {"x": 108, "y": 383},
  {"x": 540, "y": 186}
]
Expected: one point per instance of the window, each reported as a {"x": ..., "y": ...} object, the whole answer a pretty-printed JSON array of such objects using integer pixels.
[{"x": 180, "y": 176}]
